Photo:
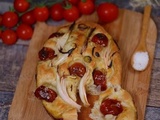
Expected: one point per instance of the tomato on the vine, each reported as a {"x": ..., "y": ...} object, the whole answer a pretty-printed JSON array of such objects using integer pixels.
[
  {"x": 56, "y": 12},
  {"x": 9, "y": 37},
  {"x": 86, "y": 6},
  {"x": 24, "y": 31},
  {"x": 41, "y": 13},
  {"x": 9, "y": 19},
  {"x": 0, "y": 33},
  {"x": 107, "y": 12},
  {"x": 73, "y": 2},
  {"x": 21, "y": 5},
  {"x": 0, "y": 19},
  {"x": 71, "y": 13},
  {"x": 28, "y": 18}
]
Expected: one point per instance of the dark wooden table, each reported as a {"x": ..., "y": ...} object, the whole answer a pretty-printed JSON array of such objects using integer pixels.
[{"x": 12, "y": 58}]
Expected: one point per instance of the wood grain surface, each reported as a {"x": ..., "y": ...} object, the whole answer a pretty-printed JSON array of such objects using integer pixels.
[{"x": 125, "y": 30}]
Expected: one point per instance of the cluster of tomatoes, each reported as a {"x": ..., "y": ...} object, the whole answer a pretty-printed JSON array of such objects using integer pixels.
[{"x": 18, "y": 23}]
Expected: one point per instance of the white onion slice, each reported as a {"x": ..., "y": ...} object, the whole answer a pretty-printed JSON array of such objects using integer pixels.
[
  {"x": 82, "y": 90},
  {"x": 106, "y": 57},
  {"x": 60, "y": 59},
  {"x": 62, "y": 40},
  {"x": 61, "y": 87}
]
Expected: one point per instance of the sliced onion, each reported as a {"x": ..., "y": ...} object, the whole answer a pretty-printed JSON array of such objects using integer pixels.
[
  {"x": 60, "y": 59},
  {"x": 106, "y": 57},
  {"x": 82, "y": 90},
  {"x": 61, "y": 87},
  {"x": 62, "y": 40}
]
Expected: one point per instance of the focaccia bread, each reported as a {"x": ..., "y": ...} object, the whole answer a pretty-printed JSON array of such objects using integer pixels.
[{"x": 79, "y": 75}]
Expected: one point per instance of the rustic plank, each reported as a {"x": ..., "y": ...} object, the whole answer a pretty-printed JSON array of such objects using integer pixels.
[
  {"x": 11, "y": 61},
  {"x": 154, "y": 95}
]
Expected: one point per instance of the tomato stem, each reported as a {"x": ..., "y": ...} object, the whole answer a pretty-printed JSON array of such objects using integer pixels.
[
  {"x": 11, "y": 9},
  {"x": 67, "y": 4}
]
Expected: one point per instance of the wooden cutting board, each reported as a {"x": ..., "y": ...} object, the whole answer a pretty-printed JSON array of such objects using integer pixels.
[{"x": 125, "y": 30}]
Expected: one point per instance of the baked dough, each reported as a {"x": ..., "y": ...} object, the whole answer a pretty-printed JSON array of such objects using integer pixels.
[{"x": 79, "y": 67}]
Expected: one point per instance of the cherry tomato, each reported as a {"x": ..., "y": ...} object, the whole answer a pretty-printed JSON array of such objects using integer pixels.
[
  {"x": 107, "y": 12},
  {"x": 21, "y": 5},
  {"x": 86, "y": 6},
  {"x": 9, "y": 37},
  {"x": 93, "y": 1},
  {"x": 99, "y": 79},
  {"x": 77, "y": 69},
  {"x": 45, "y": 93},
  {"x": 41, "y": 13},
  {"x": 100, "y": 39},
  {"x": 0, "y": 33},
  {"x": 73, "y": 2},
  {"x": 71, "y": 13},
  {"x": 46, "y": 53},
  {"x": 0, "y": 19},
  {"x": 56, "y": 12},
  {"x": 111, "y": 106},
  {"x": 24, "y": 31},
  {"x": 9, "y": 19},
  {"x": 28, "y": 18}
]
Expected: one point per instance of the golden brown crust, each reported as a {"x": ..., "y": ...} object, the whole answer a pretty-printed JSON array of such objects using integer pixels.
[
  {"x": 108, "y": 61},
  {"x": 117, "y": 93}
]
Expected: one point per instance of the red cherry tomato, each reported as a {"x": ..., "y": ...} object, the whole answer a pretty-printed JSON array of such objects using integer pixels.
[
  {"x": 107, "y": 12},
  {"x": 0, "y": 19},
  {"x": 24, "y": 31},
  {"x": 0, "y": 33},
  {"x": 46, "y": 53},
  {"x": 86, "y": 6},
  {"x": 77, "y": 69},
  {"x": 9, "y": 19},
  {"x": 45, "y": 93},
  {"x": 71, "y": 13},
  {"x": 73, "y": 2},
  {"x": 9, "y": 37},
  {"x": 111, "y": 106},
  {"x": 41, "y": 13},
  {"x": 21, "y": 5},
  {"x": 28, "y": 18},
  {"x": 100, "y": 39},
  {"x": 56, "y": 12},
  {"x": 99, "y": 79}
]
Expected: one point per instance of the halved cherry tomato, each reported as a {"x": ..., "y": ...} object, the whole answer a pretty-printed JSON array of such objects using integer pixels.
[
  {"x": 86, "y": 6},
  {"x": 71, "y": 13},
  {"x": 9, "y": 37},
  {"x": 45, "y": 93},
  {"x": 41, "y": 13},
  {"x": 46, "y": 53},
  {"x": 28, "y": 18},
  {"x": 99, "y": 79},
  {"x": 100, "y": 39},
  {"x": 77, "y": 69},
  {"x": 111, "y": 106},
  {"x": 107, "y": 12},
  {"x": 24, "y": 31},
  {"x": 9, "y": 19},
  {"x": 21, "y": 5},
  {"x": 56, "y": 12}
]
